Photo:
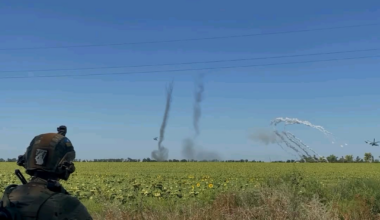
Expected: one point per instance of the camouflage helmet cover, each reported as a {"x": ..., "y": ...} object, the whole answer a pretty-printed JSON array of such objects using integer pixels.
[{"x": 47, "y": 152}]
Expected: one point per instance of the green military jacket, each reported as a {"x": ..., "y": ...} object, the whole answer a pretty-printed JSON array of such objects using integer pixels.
[{"x": 34, "y": 200}]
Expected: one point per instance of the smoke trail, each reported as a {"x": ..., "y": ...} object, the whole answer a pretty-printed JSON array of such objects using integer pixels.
[
  {"x": 283, "y": 148},
  {"x": 294, "y": 141},
  {"x": 291, "y": 121},
  {"x": 197, "y": 105},
  {"x": 306, "y": 146},
  {"x": 264, "y": 136},
  {"x": 291, "y": 137},
  {"x": 268, "y": 137},
  {"x": 190, "y": 153},
  {"x": 162, "y": 153},
  {"x": 286, "y": 142},
  {"x": 189, "y": 150}
]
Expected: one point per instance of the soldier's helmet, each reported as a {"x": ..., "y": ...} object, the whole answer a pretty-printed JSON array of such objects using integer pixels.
[
  {"x": 49, "y": 153},
  {"x": 62, "y": 130}
]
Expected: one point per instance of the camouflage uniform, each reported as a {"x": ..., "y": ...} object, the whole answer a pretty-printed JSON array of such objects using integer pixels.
[{"x": 48, "y": 159}]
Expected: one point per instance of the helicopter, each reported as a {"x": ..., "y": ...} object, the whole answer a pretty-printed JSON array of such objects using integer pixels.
[{"x": 374, "y": 143}]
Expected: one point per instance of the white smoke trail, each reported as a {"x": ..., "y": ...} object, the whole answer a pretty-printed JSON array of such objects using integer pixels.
[
  {"x": 268, "y": 137},
  {"x": 292, "y": 138},
  {"x": 291, "y": 121},
  {"x": 303, "y": 144},
  {"x": 294, "y": 141},
  {"x": 286, "y": 142},
  {"x": 283, "y": 148}
]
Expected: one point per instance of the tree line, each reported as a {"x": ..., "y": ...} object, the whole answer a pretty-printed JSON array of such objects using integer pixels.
[
  {"x": 368, "y": 157},
  {"x": 143, "y": 160}
]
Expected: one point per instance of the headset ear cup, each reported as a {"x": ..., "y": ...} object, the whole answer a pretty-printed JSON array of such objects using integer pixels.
[
  {"x": 71, "y": 168},
  {"x": 65, "y": 170},
  {"x": 21, "y": 161}
]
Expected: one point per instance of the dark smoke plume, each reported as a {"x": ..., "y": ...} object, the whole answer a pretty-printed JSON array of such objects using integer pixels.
[
  {"x": 189, "y": 151},
  {"x": 264, "y": 136},
  {"x": 162, "y": 153},
  {"x": 268, "y": 137},
  {"x": 197, "y": 105}
]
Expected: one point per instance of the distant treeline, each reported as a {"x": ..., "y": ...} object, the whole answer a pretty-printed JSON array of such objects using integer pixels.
[
  {"x": 368, "y": 157},
  {"x": 173, "y": 160},
  {"x": 143, "y": 160}
]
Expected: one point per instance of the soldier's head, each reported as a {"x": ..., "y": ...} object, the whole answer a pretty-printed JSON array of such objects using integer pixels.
[
  {"x": 49, "y": 155},
  {"x": 62, "y": 130}
]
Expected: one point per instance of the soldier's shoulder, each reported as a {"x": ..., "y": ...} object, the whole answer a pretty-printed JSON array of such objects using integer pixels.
[
  {"x": 65, "y": 199},
  {"x": 66, "y": 206}
]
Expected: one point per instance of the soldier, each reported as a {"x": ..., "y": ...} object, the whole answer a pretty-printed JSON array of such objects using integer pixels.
[
  {"x": 48, "y": 159},
  {"x": 62, "y": 130}
]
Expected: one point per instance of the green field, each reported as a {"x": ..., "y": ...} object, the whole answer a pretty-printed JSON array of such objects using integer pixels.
[{"x": 154, "y": 187}]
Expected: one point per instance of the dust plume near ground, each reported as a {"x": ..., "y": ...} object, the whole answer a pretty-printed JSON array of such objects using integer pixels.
[{"x": 191, "y": 152}]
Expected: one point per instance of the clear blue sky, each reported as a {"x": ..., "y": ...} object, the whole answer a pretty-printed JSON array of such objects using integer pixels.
[{"x": 119, "y": 115}]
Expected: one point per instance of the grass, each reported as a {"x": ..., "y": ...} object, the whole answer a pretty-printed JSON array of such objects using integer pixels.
[
  {"x": 279, "y": 199},
  {"x": 240, "y": 190},
  {"x": 290, "y": 196}
]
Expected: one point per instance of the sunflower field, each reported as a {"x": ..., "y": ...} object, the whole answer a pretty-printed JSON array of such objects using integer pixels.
[{"x": 129, "y": 181}]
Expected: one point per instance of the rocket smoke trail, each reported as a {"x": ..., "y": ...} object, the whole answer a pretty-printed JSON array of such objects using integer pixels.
[
  {"x": 188, "y": 147},
  {"x": 162, "y": 153}
]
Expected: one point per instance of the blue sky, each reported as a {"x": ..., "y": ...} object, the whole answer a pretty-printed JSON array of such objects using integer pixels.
[{"x": 119, "y": 115}]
